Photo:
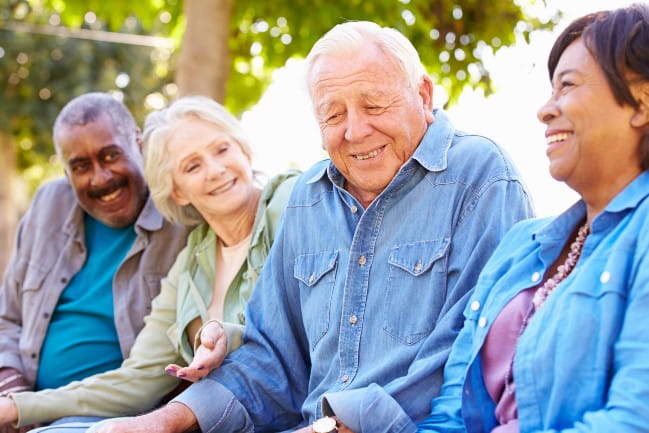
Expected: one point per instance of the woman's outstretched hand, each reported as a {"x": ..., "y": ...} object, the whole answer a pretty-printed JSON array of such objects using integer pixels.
[{"x": 208, "y": 356}]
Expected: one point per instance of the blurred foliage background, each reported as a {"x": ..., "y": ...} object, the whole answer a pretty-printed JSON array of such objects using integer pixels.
[{"x": 147, "y": 52}]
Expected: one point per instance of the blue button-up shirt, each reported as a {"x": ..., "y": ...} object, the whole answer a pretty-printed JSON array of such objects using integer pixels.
[
  {"x": 582, "y": 363},
  {"x": 359, "y": 305}
]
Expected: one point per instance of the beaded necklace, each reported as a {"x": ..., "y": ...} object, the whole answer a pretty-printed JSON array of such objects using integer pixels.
[
  {"x": 548, "y": 287},
  {"x": 563, "y": 270}
]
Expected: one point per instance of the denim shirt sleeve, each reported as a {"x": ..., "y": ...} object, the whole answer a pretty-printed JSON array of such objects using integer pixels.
[
  {"x": 222, "y": 412},
  {"x": 494, "y": 209},
  {"x": 446, "y": 410}
]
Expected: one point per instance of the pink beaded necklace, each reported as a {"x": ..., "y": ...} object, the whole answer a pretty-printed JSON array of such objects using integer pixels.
[
  {"x": 563, "y": 270},
  {"x": 546, "y": 289}
]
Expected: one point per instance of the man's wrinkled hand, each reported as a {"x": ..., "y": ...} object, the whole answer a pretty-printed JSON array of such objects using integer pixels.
[{"x": 208, "y": 356}]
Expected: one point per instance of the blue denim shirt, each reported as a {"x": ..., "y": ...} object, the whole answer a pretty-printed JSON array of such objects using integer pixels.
[
  {"x": 582, "y": 364},
  {"x": 362, "y": 305}
]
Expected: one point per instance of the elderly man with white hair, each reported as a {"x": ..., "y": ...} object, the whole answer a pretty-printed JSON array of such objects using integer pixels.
[{"x": 363, "y": 291}]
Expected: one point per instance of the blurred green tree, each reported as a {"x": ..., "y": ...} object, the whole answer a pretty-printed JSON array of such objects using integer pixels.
[{"x": 149, "y": 51}]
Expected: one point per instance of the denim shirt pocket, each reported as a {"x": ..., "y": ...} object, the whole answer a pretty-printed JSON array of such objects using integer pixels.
[
  {"x": 416, "y": 277},
  {"x": 592, "y": 309},
  {"x": 316, "y": 274}
]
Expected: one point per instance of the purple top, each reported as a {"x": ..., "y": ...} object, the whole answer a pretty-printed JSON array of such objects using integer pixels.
[{"x": 497, "y": 357}]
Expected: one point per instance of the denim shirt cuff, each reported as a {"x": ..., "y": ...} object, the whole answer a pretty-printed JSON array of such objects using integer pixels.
[
  {"x": 368, "y": 409},
  {"x": 223, "y": 412}
]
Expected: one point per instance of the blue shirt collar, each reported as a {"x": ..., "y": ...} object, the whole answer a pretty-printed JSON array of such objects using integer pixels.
[
  {"x": 632, "y": 195},
  {"x": 561, "y": 227},
  {"x": 432, "y": 152}
]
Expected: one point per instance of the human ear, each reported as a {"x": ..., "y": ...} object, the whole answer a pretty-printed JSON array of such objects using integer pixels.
[
  {"x": 178, "y": 197},
  {"x": 426, "y": 94},
  {"x": 640, "y": 118}
]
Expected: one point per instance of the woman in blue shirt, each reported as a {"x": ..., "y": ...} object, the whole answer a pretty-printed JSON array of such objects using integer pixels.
[{"x": 555, "y": 336}]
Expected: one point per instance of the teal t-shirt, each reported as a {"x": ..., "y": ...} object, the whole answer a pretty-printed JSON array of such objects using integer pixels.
[{"x": 81, "y": 339}]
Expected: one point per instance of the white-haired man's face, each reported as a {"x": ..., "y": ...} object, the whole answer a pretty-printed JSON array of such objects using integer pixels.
[{"x": 371, "y": 121}]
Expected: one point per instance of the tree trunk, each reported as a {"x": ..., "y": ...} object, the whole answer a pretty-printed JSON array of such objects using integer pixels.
[
  {"x": 8, "y": 211},
  {"x": 204, "y": 60}
]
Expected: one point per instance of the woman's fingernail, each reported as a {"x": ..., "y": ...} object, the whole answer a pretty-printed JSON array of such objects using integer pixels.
[
  {"x": 182, "y": 375},
  {"x": 200, "y": 367}
]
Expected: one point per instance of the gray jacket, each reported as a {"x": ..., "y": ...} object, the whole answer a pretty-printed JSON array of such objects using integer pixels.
[{"x": 50, "y": 250}]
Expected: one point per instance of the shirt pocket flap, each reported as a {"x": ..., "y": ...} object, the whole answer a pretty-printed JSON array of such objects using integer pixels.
[
  {"x": 417, "y": 257},
  {"x": 309, "y": 268},
  {"x": 34, "y": 277},
  {"x": 603, "y": 277}
]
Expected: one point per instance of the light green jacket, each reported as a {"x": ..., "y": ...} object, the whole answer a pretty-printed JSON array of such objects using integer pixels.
[{"x": 186, "y": 292}]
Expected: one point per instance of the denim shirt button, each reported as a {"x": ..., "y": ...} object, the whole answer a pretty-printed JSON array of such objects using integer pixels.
[
  {"x": 354, "y": 209},
  {"x": 353, "y": 319},
  {"x": 345, "y": 378},
  {"x": 475, "y": 306},
  {"x": 605, "y": 277},
  {"x": 418, "y": 267},
  {"x": 362, "y": 260},
  {"x": 311, "y": 278},
  {"x": 482, "y": 322},
  {"x": 535, "y": 277}
]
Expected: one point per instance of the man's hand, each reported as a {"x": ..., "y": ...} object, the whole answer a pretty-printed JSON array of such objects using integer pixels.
[
  {"x": 208, "y": 356},
  {"x": 173, "y": 418}
]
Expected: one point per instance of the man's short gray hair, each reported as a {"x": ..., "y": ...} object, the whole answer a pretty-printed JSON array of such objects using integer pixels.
[
  {"x": 88, "y": 108},
  {"x": 157, "y": 167},
  {"x": 353, "y": 35}
]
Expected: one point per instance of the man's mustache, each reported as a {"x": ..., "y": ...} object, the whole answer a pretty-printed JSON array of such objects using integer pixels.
[{"x": 113, "y": 186}]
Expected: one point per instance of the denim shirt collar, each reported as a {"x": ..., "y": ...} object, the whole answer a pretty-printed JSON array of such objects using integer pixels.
[
  {"x": 560, "y": 228},
  {"x": 632, "y": 195},
  {"x": 431, "y": 152}
]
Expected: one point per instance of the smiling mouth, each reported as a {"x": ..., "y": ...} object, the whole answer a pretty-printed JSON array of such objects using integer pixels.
[
  {"x": 369, "y": 155},
  {"x": 110, "y": 196},
  {"x": 554, "y": 138},
  {"x": 223, "y": 188}
]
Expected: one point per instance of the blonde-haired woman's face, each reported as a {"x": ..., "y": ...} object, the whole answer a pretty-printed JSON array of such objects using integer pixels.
[{"x": 210, "y": 170}]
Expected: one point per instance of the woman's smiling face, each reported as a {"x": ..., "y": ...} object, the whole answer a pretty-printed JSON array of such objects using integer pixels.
[
  {"x": 210, "y": 170},
  {"x": 590, "y": 137}
]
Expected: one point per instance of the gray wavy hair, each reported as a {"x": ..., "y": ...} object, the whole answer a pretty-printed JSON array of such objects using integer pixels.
[{"x": 158, "y": 127}]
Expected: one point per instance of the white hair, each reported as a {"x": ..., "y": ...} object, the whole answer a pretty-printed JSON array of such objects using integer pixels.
[{"x": 353, "y": 35}]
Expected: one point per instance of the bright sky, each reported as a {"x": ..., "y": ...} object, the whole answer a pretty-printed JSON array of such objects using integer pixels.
[{"x": 284, "y": 133}]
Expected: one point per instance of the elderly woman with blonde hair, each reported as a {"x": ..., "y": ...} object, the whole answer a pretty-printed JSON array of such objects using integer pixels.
[{"x": 198, "y": 167}]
